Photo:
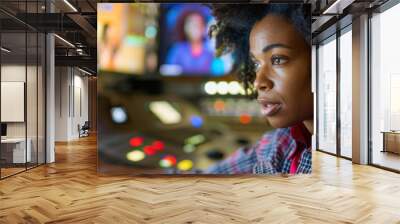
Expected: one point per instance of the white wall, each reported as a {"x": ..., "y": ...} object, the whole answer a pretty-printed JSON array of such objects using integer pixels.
[
  {"x": 71, "y": 93},
  {"x": 61, "y": 103}
]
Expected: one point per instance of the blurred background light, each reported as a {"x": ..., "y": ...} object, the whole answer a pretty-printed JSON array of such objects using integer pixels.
[
  {"x": 170, "y": 70},
  {"x": 222, "y": 88},
  {"x": 134, "y": 40},
  {"x": 158, "y": 145},
  {"x": 195, "y": 140},
  {"x": 210, "y": 88},
  {"x": 135, "y": 155},
  {"x": 196, "y": 121},
  {"x": 165, "y": 163},
  {"x": 234, "y": 88},
  {"x": 165, "y": 112},
  {"x": 136, "y": 141},
  {"x": 242, "y": 91},
  {"x": 189, "y": 148},
  {"x": 149, "y": 150},
  {"x": 151, "y": 32},
  {"x": 219, "y": 105},
  {"x": 185, "y": 165},
  {"x": 245, "y": 119},
  {"x": 171, "y": 158},
  {"x": 119, "y": 115},
  {"x": 168, "y": 161}
]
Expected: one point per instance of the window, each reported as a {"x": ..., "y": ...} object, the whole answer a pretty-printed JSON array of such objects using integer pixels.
[
  {"x": 346, "y": 93},
  {"x": 385, "y": 89},
  {"x": 327, "y": 96}
]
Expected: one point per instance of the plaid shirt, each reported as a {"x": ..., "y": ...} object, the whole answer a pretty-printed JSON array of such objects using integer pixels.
[{"x": 284, "y": 150}]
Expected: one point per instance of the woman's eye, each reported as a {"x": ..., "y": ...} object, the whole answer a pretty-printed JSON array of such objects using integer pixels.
[
  {"x": 256, "y": 66},
  {"x": 278, "y": 60}
]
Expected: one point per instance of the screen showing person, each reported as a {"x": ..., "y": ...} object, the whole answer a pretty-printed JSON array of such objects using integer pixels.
[{"x": 186, "y": 49}]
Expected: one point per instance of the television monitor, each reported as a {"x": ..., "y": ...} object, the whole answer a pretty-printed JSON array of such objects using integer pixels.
[
  {"x": 185, "y": 46},
  {"x": 126, "y": 38}
]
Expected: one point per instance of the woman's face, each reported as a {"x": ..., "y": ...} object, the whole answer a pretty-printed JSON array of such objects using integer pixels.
[
  {"x": 194, "y": 27},
  {"x": 283, "y": 71}
]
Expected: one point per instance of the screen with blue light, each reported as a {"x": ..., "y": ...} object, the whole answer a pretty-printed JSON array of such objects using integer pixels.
[{"x": 185, "y": 46}]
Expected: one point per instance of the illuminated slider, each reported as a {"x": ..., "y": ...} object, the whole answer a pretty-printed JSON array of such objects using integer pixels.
[{"x": 165, "y": 112}]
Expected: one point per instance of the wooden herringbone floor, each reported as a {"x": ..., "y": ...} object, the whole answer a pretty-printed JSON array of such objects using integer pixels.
[{"x": 70, "y": 191}]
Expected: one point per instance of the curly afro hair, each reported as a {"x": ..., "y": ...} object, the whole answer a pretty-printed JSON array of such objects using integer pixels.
[{"x": 234, "y": 23}]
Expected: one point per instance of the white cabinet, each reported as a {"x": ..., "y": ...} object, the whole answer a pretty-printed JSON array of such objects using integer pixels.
[{"x": 18, "y": 149}]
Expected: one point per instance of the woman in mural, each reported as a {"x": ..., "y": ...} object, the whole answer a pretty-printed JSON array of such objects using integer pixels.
[{"x": 272, "y": 44}]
